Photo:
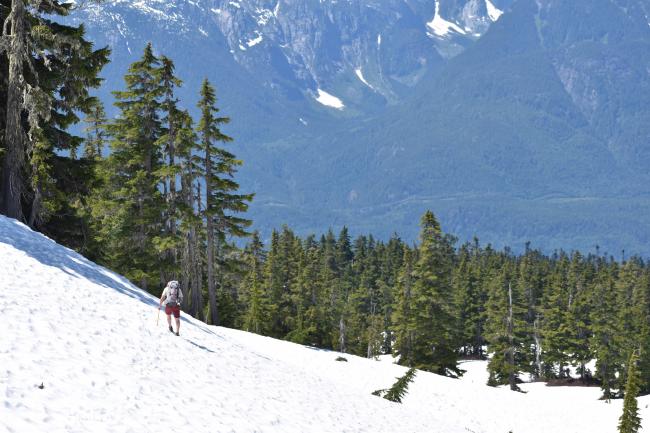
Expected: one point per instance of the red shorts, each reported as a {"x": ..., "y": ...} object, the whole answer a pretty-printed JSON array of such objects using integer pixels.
[{"x": 169, "y": 309}]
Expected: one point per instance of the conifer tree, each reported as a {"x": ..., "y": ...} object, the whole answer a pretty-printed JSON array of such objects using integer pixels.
[
  {"x": 403, "y": 315},
  {"x": 170, "y": 241},
  {"x": 96, "y": 137},
  {"x": 642, "y": 316},
  {"x": 434, "y": 345},
  {"x": 342, "y": 308},
  {"x": 630, "y": 422},
  {"x": 222, "y": 203},
  {"x": 314, "y": 326},
  {"x": 555, "y": 330},
  {"x": 47, "y": 69},
  {"x": 303, "y": 296},
  {"x": 257, "y": 316},
  {"x": 189, "y": 205},
  {"x": 470, "y": 299},
  {"x": 390, "y": 264},
  {"x": 130, "y": 208},
  {"x": 529, "y": 287},
  {"x": 578, "y": 315},
  {"x": 505, "y": 328},
  {"x": 606, "y": 339}
]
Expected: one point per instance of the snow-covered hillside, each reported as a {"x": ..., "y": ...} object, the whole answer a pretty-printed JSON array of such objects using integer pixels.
[{"x": 90, "y": 338}]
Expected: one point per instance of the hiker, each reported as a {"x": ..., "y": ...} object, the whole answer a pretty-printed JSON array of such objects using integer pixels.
[{"x": 172, "y": 297}]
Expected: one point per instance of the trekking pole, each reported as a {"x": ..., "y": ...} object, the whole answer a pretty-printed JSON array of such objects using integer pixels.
[{"x": 158, "y": 317}]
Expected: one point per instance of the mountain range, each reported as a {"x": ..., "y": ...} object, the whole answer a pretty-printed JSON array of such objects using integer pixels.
[{"x": 514, "y": 121}]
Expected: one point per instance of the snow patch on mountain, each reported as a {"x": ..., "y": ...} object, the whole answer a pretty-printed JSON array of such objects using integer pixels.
[
  {"x": 493, "y": 12},
  {"x": 255, "y": 41},
  {"x": 440, "y": 26},
  {"x": 264, "y": 16},
  {"x": 157, "y": 9},
  {"x": 329, "y": 100},
  {"x": 359, "y": 73}
]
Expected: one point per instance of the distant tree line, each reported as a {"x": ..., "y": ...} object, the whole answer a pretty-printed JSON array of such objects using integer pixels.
[
  {"x": 433, "y": 303},
  {"x": 153, "y": 196}
]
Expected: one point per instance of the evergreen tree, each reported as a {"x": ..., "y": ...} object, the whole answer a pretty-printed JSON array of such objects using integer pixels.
[
  {"x": 390, "y": 258},
  {"x": 47, "y": 70},
  {"x": 606, "y": 339},
  {"x": 555, "y": 331},
  {"x": 170, "y": 241},
  {"x": 403, "y": 315},
  {"x": 257, "y": 316},
  {"x": 470, "y": 299},
  {"x": 505, "y": 328},
  {"x": 578, "y": 315},
  {"x": 221, "y": 201},
  {"x": 189, "y": 205},
  {"x": 129, "y": 210},
  {"x": 630, "y": 422},
  {"x": 642, "y": 315},
  {"x": 434, "y": 344},
  {"x": 96, "y": 136}
]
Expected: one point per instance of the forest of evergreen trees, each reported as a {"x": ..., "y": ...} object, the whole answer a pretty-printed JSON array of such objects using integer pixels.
[{"x": 152, "y": 195}]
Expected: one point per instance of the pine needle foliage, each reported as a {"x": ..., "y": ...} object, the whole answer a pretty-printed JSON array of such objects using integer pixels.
[
  {"x": 630, "y": 422},
  {"x": 399, "y": 389}
]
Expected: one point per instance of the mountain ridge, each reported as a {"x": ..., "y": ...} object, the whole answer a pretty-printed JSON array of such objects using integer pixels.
[{"x": 550, "y": 100}]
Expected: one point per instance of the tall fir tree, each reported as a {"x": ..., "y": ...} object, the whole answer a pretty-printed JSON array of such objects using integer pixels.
[
  {"x": 579, "y": 278},
  {"x": 606, "y": 338},
  {"x": 435, "y": 343},
  {"x": 505, "y": 328},
  {"x": 554, "y": 329},
  {"x": 96, "y": 136},
  {"x": 222, "y": 203},
  {"x": 256, "y": 301},
  {"x": 470, "y": 296},
  {"x": 129, "y": 209},
  {"x": 630, "y": 422},
  {"x": 403, "y": 315},
  {"x": 192, "y": 258},
  {"x": 170, "y": 241}
]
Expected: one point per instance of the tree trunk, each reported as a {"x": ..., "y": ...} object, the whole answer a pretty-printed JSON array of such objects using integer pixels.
[
  {"x": 197, "y": 281},
  {"x": 15, "y": 138},
  {"x": 342, "y": 343},
  {"x": 538, "y": 350},
  {"x": 511, "y": 348},
  {"x": 212, "y": 295}
]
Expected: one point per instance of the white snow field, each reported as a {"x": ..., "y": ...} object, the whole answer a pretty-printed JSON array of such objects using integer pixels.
[{"x": 90, "y": 338}]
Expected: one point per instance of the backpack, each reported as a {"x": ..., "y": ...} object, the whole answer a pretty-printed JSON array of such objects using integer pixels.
[{"x": 174, "y": 295}]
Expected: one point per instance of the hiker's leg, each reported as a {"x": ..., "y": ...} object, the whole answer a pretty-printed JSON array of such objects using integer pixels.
[
  {"x": 169, "y": 320},
  {"x": 177, "y": 316}
]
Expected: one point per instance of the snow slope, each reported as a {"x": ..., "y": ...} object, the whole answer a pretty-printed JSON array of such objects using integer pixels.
[{"x": 90, "y": 337}]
